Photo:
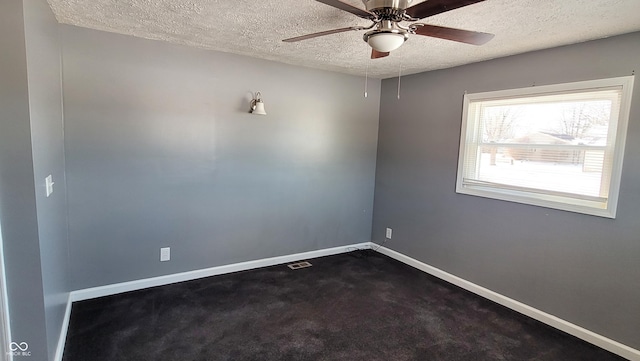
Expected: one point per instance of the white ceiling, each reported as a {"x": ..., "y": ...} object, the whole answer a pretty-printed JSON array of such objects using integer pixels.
[{"x": 256, "y": 28}]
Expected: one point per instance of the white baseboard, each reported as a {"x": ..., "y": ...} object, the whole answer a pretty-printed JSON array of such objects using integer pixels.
[
  {"x": 553, "y": 321},
  {"x": 113, "y": 289}
]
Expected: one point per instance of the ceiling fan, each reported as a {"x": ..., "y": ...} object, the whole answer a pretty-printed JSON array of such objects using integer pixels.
[{"x": 386, "y": 33}]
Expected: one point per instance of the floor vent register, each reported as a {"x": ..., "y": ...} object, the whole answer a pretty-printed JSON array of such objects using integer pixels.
[{"x": 299, "y": 265}]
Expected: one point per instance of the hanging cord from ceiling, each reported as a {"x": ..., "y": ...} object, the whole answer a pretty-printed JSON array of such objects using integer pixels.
[
  {"x": 399, "y": 75},
  {"x": 366, "y": 79}
]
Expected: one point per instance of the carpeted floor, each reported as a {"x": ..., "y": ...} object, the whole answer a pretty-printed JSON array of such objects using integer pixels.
[{"x": 357, "y": 306}]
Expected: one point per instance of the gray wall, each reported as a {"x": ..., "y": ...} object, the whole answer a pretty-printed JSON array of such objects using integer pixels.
[
  {"x": 45, "y": 104},
  {"x": 161, "y": 151},
  {"x": 17, "y": 196},
  {"x": 581, "y": 268}
]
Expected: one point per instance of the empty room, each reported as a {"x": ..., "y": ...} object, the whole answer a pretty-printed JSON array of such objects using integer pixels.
[{"x": 319, "y": 180}]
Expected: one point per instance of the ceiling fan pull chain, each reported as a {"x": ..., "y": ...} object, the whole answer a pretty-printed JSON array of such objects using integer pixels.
[
  {"x": 366, "y": 78},
  {"x": 399, "y": 75}
]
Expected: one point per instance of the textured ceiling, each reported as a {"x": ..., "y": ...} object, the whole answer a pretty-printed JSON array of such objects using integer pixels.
[{"x": 256, "y": 28}]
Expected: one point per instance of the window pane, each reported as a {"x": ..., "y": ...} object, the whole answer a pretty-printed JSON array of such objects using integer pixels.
[
  {"x": 583, "y": 122},
  {"x": 546, "y": 137},
  {"x": 568, "y": 171}
]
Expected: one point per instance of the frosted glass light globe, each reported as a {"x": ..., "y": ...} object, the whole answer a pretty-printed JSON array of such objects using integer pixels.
[{"x": 386, "y": 42}]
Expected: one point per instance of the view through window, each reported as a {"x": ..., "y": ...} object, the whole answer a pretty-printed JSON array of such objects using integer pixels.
[{"x": 557, "y": 146}]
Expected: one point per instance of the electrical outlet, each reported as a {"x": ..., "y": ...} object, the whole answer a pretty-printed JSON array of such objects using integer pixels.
[
  {"x": 165, "y": 254},
  {"x": 389, "y": 231}
]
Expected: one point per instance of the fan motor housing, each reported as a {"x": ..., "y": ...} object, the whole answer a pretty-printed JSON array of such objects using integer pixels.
[{"x": 373, "y": 5}]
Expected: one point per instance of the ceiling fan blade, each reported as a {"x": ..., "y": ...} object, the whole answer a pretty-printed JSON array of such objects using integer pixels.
[
  {"x": 348, "y": 8},
  {"x": 459, "y": 35},
  {"x": 433, "y": 7},
  {"x": 378, "y": 54},
  {"x": 322, "y": 33}
]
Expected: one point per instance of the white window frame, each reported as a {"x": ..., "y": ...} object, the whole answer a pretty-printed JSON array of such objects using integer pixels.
[{"x": 596, "y": 206}]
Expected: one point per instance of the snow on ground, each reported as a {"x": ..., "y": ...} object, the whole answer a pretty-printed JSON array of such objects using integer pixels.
[{"x": 559, "y": 177}]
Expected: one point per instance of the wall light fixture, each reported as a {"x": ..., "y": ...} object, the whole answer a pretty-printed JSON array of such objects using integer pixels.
[{"x": 257, "y": 106}]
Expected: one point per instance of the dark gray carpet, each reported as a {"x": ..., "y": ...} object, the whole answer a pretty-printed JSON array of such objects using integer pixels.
[{"x": 358, "y": 306}]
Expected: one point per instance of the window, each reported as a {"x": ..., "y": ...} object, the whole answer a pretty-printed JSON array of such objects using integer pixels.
[{"x": 557, "y": 146}]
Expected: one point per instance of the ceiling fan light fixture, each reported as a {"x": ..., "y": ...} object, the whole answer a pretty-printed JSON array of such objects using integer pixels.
[{"x": 385, "y": 42}]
